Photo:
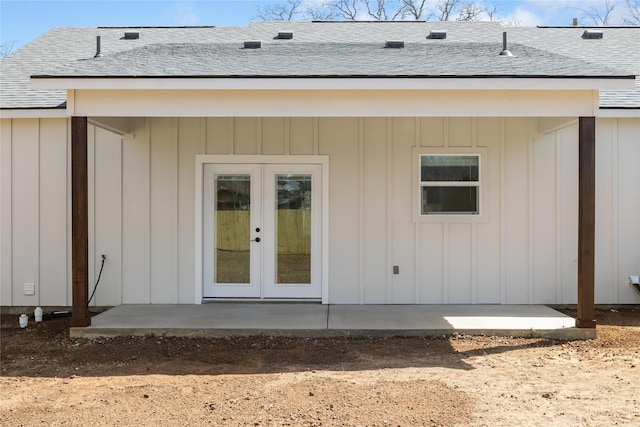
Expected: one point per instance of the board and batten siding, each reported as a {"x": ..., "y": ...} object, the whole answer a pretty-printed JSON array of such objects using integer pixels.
[{"x": 142, "y": 202}]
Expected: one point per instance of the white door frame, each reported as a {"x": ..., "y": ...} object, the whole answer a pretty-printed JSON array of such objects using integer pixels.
[{"x": 202, "y": 159}]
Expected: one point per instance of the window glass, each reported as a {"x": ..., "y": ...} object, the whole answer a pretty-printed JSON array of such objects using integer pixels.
[
  {"x": 232, "y": 222},
  {"x": 449, "y": 168},
  {"x": 441, "y": 200},
  {"x": 449, "y": 184},
  {"x": 294, "y": 229}
]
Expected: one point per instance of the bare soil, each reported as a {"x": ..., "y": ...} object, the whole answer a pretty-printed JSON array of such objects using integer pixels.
[{"x": 49, "y": 379}]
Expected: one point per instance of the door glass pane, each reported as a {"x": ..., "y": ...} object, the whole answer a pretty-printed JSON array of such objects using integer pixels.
[
  {"x": 232, "y": 228},
  {"x": 293, "y": 229}
]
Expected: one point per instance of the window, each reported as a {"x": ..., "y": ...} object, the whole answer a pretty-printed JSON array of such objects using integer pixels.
[{"x": 449, "y": 184}]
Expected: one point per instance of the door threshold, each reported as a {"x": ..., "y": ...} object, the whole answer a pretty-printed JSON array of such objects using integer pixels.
[{"x": 262, "y": 300}]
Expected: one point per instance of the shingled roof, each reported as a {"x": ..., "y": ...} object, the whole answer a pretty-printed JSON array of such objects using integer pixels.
[{"x": 321, "y": 49}]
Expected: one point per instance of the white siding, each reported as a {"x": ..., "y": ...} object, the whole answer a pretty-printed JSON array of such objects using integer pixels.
[
  {"x": 567, "y": 221},
  {"x": 374, "y": 227},
  {"x": 136, "y": 194},
  {"x": 53, "y": 212},
  {"x": 617, "y": 209},
  {"x": 33, "y": 215},
  {"x": 142, "y": 199},
  {"x": 339, "y": 139}
]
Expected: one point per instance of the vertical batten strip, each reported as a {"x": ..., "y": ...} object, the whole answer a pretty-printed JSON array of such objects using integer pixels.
[
  {"x": 231, "y": 124},
  {"x": 69, "y": 287},
  {"x": 531, "y": 214},
  {"x": 503, "y": 211},
  {"x": 316, "y": 136},
  {"x": 175, "y": 293},
  {"x": 389, "y": 195},
  {"x": 203, "y": 135},
  {"x": 417, "y": 227},
  {"x": 474, "y": 224},
  {"x": 121, "y": 231},
  {"x": 38, "y": 210},
  {"x": 361, "y": 212},
  {"x": 614, "y": 211},
  {"x": 6, "y": 226},
  {"x": 474, "y": 262},
  {"x": 445, "y": 262},
  {"x": 259, "y": 135},
  {"x": 91, "y": 166},
  {"x": 474, "y": 132},
  {"x": 445, "y": 131},
  {"x": 147, "y": 255},
  {"x": 559, "y": 215},
  {"x": 287, "y": 135}
]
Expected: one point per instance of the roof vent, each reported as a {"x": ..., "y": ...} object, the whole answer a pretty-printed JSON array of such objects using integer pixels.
[
  {"x": 285, "y": 35},
  {"x": 253, "y": 44},
  {"x": 132, "y": 36},
  {"x": 437, "y": 34},
  {"x": 98, "y": 49},
  {"x": 505, "y": 51},
  {"x": 394, "y": 44},
  {"x": 592, "y": 34}
]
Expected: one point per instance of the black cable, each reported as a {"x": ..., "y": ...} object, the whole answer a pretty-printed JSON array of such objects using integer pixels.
[{"x": 104, "y": 257}]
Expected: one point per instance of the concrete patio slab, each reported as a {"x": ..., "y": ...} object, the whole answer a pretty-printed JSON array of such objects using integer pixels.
[
  {"x": 499, "y": 320},
  {"x": 312, "y": 319}
]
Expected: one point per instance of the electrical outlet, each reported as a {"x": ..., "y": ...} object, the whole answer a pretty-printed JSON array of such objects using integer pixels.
[{"x": 396, "y": 269}]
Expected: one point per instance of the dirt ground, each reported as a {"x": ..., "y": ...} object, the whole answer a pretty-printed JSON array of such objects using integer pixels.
[{"x": 49, "y": 379}]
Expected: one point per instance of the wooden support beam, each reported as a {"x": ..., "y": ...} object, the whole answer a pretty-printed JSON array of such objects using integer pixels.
[
  {"x": 79, "y": 223},
  {"x": 586, "y": 317}
]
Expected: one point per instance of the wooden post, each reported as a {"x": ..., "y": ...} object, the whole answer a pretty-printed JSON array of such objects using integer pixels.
[
  {"x": 586, "y": 317},
  {"x": 79, "y": 223}
]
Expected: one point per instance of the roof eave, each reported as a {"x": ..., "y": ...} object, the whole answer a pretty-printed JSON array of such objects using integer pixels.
[
  {"x": 33, "y": 112},
  {"x": 498, "y": 82}
]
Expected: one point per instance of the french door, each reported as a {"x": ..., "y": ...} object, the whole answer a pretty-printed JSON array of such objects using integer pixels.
[{"x": 262, "y": 231}]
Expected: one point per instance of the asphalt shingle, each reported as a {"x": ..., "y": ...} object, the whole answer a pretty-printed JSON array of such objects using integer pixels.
[{"x": 322, "y": 49}]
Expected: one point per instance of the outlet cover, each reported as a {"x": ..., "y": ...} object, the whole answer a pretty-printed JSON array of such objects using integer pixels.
[{"x": 29, "y": 288}]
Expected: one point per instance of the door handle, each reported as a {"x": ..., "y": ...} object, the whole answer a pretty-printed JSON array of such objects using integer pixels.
[{"x": 257, "y": 240}]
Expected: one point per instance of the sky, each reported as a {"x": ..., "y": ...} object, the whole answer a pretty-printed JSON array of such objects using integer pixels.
[{"x": 22, "y": 21}]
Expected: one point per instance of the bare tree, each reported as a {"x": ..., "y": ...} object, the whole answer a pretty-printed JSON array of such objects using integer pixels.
[
  {"x": 287, "y": 11},
  {"x": 380, "y": 10},
  {"x": 600, "y": 16},
  {"x": 6, "y": 48},
  {"x": 470, "y": 11},
  {"x": 319, "y": 12},
  {"x": 492, "y": 10},
  {"x": 348, "y": 10},
  {"x": 414, "y": 8},
  {"x": 632, "y": 17},
  {"x": 377, "y": 9},
  {"x": 446, "y": 9}
]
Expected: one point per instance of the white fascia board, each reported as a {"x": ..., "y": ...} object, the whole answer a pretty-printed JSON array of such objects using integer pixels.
[
  {"x": 35, "y": 113},
  {"x": 619, "y": 113},
  {"x": 293, "y": 83},
  {"x": 334, "y": 103}
]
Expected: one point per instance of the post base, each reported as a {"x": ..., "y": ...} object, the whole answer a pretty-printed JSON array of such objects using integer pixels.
[
  {"x": 80, "y": 323},
  {"x": 583, "y": 323}
]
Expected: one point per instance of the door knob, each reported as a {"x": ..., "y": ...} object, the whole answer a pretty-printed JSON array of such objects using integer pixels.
[{"x": 257, "y": 239}]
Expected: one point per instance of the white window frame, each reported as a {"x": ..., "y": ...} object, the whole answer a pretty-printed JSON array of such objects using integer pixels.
[{"x": 417, "y": 185}]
